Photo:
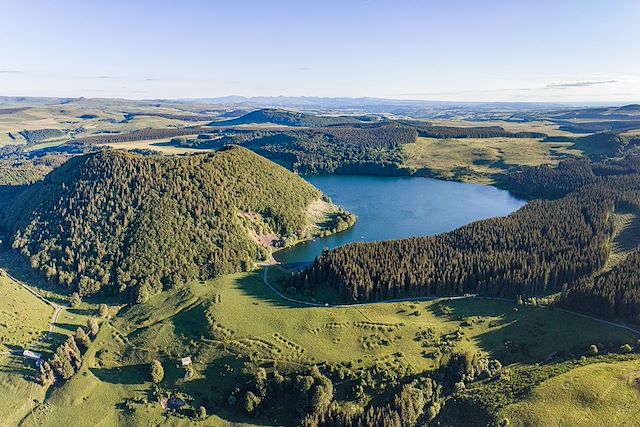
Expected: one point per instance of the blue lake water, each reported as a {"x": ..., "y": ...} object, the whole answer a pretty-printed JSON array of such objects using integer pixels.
[{"x": 400, "y": 207}]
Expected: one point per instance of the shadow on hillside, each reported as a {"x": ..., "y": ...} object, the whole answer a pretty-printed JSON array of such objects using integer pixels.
[
  {"x": 18, "y": 365},
  {"x": 18, "y": 267},
  {"x": 191, "y": 323},
  {"x": 523, "y": 333},
  {"x": 67, "y": 326},
  {"x": 253, "y": 286},
  {"x": 81, "y": 311},
  {"x": 133, "y": 374},
  {"x": 54, "y": 340}
]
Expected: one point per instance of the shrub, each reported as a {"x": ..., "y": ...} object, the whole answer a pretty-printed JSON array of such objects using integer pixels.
[
  {"x": 103, "y": 310},
  {"x": 157, "y": 371},
  {"x": 626, "y": 348},
  {"x": 75, "y": 300}
]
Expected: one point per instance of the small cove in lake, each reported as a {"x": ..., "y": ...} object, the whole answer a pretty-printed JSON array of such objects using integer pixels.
[{"x": 400, "y": 207}]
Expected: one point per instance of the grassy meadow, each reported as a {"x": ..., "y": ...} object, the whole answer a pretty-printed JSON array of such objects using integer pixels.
[
  {"x": 24, "y": 318},
  {"x": 481, "y": 160},
  {"x": 601, "y": 394},
  {"x": 224, "y": 323}
]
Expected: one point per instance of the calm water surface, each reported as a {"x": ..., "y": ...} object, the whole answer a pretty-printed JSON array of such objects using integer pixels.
[{"x": 401, "y": 207}]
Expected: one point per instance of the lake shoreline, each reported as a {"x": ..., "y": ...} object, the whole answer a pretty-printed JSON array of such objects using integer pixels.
[{"x": 400, "y": 207}]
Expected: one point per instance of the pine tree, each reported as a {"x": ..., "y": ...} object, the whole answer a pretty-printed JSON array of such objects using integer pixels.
[
  {"x": 93, "y": 326},
  {"x": 75, "y": 300},
  {"x": 103, "y": 310},
  {"x": 82, "y": 338},
  {"x": 157, "y": 371},
  {"x": 47, "y": 376}
]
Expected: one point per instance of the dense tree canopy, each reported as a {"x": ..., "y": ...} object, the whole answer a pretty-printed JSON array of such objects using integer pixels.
[
  {"x": 121, "y": 223},
  {"x": 544, "y": 247}
]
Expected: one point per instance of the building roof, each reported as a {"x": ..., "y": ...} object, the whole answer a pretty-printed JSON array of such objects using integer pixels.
[
  {"x": 185, "y": 361},
  {"x": 175, "y": 403},
  {"x": 31, "y": 354}
]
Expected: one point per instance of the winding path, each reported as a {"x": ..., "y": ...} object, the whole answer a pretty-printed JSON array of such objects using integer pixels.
[{"x": 265, "y": 279}]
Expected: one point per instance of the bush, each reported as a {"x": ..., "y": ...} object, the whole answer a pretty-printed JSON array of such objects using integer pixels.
[
  {"x": 626, "y": 348},
  {"x": 75, "y": 300},
  {"x": 103, "y": 310},
  {"x": 157, "y": 371}
]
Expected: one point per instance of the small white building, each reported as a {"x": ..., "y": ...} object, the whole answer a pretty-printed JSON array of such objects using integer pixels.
[
  {"x": 185, "y": 361},
  {"x": 31, "y": 355}
]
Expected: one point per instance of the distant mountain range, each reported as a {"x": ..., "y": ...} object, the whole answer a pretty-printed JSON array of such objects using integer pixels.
[{"x": 290, "y": 118}]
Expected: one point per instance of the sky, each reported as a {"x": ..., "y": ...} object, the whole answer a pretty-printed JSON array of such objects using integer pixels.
[{"x": 543, "y": 51}]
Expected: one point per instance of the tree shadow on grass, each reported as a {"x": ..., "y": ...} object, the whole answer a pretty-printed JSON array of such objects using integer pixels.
[
  {"x": 54, "y": 340},
  {"x": 528, "y": 334},
  {"x": 192, "y": 323},
  {"x": 251, "y": 285},
  {"x": 18, "y": 267},
  {"x": 81, "y": 311},
  {"x": 67, "y": 327},
  {"x": 18, "y": 365},
  {"x": 132, "y": 374}
]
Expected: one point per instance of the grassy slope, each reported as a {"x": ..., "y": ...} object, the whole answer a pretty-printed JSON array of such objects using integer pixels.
[
  {"x": 24, "y": 319},
  {"x": 247, "y": 320},
  {"x": 481, "y": 159},
  {"x": 24, "y": 324},
  {"x": 602, "y": 394},
  {"x": 625, "y": 237}
]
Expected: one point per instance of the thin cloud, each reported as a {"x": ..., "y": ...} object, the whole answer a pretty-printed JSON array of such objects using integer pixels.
[
  {"x": 587, "y": 83},
  {"x": 104, "y": 77}
]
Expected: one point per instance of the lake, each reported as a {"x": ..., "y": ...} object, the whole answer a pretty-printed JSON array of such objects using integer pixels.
[{"x": 400, "y": 207}]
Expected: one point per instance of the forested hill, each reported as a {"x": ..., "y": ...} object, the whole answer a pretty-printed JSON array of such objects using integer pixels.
[
  {"x": 133, "y": 225},
  {"x": 286, "y": 118}
]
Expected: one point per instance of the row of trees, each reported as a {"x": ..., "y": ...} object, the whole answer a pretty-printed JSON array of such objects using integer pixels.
[
  {"x": 315, "y": 405},
  {"x": 67, "y": 359},
  {"x": 138, "y": 135},
  {"x": 473, "y": 132}
]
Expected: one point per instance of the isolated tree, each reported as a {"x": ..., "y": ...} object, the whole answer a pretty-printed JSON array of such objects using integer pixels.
[
  {"x": 202, "y": 412},
  {"x": 593, "y": 349},
  {"x": 93, "y": 326},
  {"x": 75, "y": 300},
  {"x": 103, "y": 310},
  {"x": 157, "y": 371},
  {"x": 626, "y": 348},
  {"x": 250, "y": 402},
  {"x": 82, "y": 338}
]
